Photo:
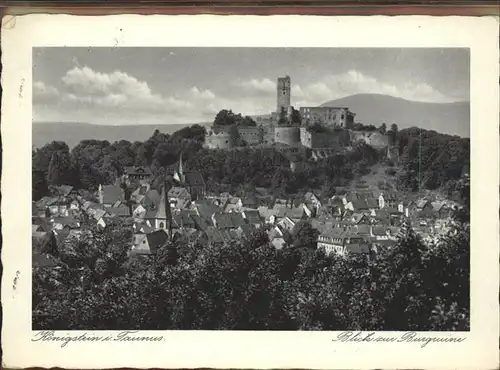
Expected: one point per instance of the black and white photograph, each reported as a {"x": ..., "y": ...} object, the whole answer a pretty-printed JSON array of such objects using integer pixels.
[{"x": 263, "y": 189}]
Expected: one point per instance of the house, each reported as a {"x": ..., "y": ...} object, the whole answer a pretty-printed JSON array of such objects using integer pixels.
[
  {"x": 276, "y": 237},
  {"x": 286, "y": 224},
  {"x": 148, "y": 244},
  {"x": 37, "y": 212},
  {"x": 177, "y": 193},
  {"x": 183, "y": 220},
  {"x": 138, "y": 173},
  {"x": 267, "y": 214},
  {"x": 321, "y": 225},
  {"x": 423, "y": 204},
  {"x": 109, "y": 195},
  {"x": 250, "y": 202},
  {"x": 382, "y": 233},
  {"x": 36, "y": 228},
  {"x": 295, "y": 213},
  {"x": 389, "y": 198},
  {"x": 357, "y": 219},
  {"x": 139, "y": 193},
  {"x": 121, "y": 212},
  {"x": 49, "y": 205},
  {"x": 368, "y": 205},
  {"x": 252, "y": 217},
  {"x": 59, "y": 223},
  {"x": 99, "y": 216},
  {"x": 363, "y": 231},
  {"x": 201, "y": 223},
  {"x": 227, "y": 220},
  {"x": 442, "y": 209},
  {"x": 332, "y": 241},
  {"x": 424, "y": 210},
  {"x": 151, "y": 199},
  {"x": 141, "y": 228},
  {"x": 233, "y": 204},
  {"x": 206, "y": 211},
  {"x": 404, "y": 207},
  {"x": 245, "y": 231},
  {"x": 63, "y": 191},
  {"x": 139, "y": 212},
  {"x": 313, "y": 199}
]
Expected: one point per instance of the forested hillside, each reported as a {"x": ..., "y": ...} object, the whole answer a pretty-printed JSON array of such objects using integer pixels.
[{"x": 428, "y": 160}]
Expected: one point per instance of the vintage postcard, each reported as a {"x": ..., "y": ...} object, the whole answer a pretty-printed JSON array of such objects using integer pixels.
[{"x": 250, "y": 192}]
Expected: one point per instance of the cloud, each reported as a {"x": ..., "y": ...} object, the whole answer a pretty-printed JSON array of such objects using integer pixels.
[
  {"x": 43, "y": 93},
  {"x": 354, "y": 82},
  {"x": 256, "y": 86},
  {"x": 121, "y": 97}
]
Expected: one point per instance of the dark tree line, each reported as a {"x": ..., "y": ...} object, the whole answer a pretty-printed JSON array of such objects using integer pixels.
[{"x": 428, "y": 160}]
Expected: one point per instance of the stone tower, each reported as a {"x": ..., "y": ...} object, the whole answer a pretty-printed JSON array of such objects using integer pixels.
[{"x": 283, "y": 88}]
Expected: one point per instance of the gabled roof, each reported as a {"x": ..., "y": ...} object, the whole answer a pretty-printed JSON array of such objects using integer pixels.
[
  {"x": 252, "y": 216},
  {"x": 179, "y": 192},
  {"x": 223, "y": 220},
  {"x": 230, "y": 207},
  {"x": 334, "y": 233},
  {"x": 207, "y": 210},
  {"x": 357, "y": 218},
  {"x": 237, "y": 219},
  {"x": 153, "y": 196},
  {"x": 421, "y": 203},
  {"x": 249, "y": 201},
  {"x": 67, "y": 221},
  {"x": 363, "y": 229},
  {"x": 266, "y": 212},
  {"x": 438, "y": 205},
  {"x": 201, "y": 223},
  {"x": 379, "y": 230},
  {"x": 183, "y": 219},
  {"x": 360, "y": 204},
  {"x": 111, "y": 194},
  {"x": 118, "y": 211},
  {"x": 99, "y": 213},
  {"x": 156, "y": 239},
  {"x": 294, "y": 213},
  {"x": 63, "y": 190},
  {"x": 46, "y": 202}
]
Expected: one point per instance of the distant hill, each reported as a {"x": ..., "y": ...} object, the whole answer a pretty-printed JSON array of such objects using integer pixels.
[
  {"x": 373, "y": 109},
  {"x": 72, "y": 133}
]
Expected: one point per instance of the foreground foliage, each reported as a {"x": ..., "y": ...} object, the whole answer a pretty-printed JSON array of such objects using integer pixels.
[{"x": 249, "y": 285}]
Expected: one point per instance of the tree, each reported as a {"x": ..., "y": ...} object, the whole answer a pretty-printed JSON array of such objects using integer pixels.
[
  {"x": 39, "y": 184},
  {"x": 296, "y": 117},
  {"x": 383, "y": 128},
  {"x": 60, "y": 170},
  {"x": 304, "y": 235}
]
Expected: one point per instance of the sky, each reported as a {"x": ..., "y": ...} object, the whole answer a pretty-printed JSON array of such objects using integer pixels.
[{"x": 120, "y": 86}]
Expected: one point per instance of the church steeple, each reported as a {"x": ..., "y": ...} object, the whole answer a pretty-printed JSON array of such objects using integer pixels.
[
  {"x": 164, "y": 211},
  {"x": 181, "y": 170}
]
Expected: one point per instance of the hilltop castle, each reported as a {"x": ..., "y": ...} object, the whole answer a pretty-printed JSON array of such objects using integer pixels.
[{"x": 310, "y": 127}]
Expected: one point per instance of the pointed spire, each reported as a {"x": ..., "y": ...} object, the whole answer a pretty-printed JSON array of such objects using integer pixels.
[
  {"x": 168, "y": 213},
  {"x": 181, "y": 170}
]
